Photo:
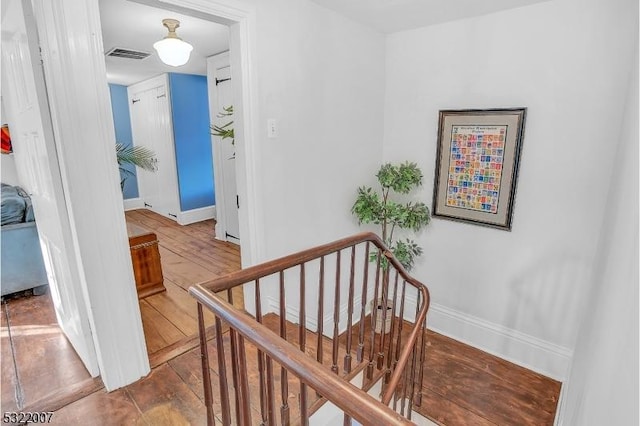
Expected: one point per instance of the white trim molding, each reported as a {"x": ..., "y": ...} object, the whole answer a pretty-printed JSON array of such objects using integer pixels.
[
  {"x": 74, "y": 68},
  {"x": 133, "y": 204},
  {"x": 196, "y": 215},
  {"x": 522, "y": 349},
  {"x": 293, "y": 315}
]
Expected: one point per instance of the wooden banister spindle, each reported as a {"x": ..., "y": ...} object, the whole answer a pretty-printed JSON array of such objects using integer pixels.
[
  {"x": 414, "y": 361},
  {"x": 271, "y": 403},
  {"x": 403, "y": 400},
  {"x": 363, "y": 307},
  {"x": 400, "y": 324},
  {"x": 235, "y": 374},
  {"x": 302, "y": 337},
  {"x": 261, "y": 361},
  {"x": 284, "y": 380},
  {"x": 302, "y": 322},
  {"x": 206, "y": 373},
  {"x": 242, "y": 392},
  {"x": 222, "y": 376},
  {"x": 320, "y": 348},
  {"x": 385, "y": 299},
  {"x": 392, "y": 336},
  {"x": 374, "y": 310},
  {"x": 347, "y": 357},
  {"x": 304, "y": 410},
  {"x": 336, "y": 317},
  {"x": 423, "y": 345}
]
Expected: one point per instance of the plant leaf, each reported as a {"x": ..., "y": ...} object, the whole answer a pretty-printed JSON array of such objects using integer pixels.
[{"x": 139, "y": 156}]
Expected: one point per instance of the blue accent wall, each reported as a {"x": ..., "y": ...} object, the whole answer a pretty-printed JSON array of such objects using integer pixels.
[
  {"x": 190, "y": 113},
  {"x": 122, "y": 124}
]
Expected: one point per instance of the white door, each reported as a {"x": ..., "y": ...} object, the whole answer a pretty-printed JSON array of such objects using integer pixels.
[
  {"x": 152, "y": 127},
  {"x": 224, "y": 159},
  {"x": 24, "y": 92}
]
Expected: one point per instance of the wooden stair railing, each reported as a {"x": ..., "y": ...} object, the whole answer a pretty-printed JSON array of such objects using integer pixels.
[{"x": 395, "y": 356}]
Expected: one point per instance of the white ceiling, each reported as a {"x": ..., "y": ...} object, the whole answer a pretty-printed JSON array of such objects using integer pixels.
[
  {"x": 390, "y": 16},
  {"x": 135, "y": 26},
  {"x": 131, "y": 25}
]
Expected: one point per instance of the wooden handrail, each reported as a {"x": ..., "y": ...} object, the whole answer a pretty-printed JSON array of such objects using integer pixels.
[
  {"x": 233, "y": 279},
  {"x": 205, "y": 293},
  {"x": 357, "y": 404}
]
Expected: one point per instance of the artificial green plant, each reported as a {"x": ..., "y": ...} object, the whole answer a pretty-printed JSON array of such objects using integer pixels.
[{"x": 377, "y": 207}]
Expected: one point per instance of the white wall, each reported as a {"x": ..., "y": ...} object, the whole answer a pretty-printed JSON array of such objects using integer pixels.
[
  {"x": 321, "y": 76},
  {"x": 603, "y": 386},
  {"x": 8, "y": 170},
  {"x": 518, "y": 294}
]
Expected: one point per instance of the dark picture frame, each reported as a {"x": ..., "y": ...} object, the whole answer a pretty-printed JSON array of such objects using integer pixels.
[{"x": 477, "y": 162}]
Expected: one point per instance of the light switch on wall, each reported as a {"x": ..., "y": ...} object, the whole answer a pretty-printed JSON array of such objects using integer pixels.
[{"x": 272, "y": 128}]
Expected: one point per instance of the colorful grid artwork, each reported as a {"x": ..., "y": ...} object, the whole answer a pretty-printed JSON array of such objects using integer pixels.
[{"x": 475, "y": 167}]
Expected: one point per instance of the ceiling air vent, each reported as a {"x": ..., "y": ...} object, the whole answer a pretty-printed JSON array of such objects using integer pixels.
[{"x": 119, "y": 52}]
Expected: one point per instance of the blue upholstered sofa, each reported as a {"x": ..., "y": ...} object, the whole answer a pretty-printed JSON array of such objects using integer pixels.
[{"x": 22, "y": 266}]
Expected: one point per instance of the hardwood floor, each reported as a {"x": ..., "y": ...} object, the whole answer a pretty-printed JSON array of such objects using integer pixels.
[
  {"x": 462, "y": 385},
  {"x": 189, "y": 255}
]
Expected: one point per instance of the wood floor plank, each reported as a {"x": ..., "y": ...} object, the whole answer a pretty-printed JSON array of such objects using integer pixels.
[
  {"x": 37, "y": 373},
  {"x": 178, "y": 348},
  {"x": 32, "y": 310},
  {"x": 159, "y": 332},
  {"x": 492, "y": 398},
  {"x": 164, "y": 399},
  {"x": 503, "y": 400},
  {"x": 445, "y": 412},
  {"x": 184, "y": 271},
  {"x": 100, "y": 408},
  {"x": 36, "y": 340},
  {"x": 543, "y": 387},
  {"x": 177, "y": 306},
  {"x": 174, "y": 313},
  {"x": 56, "y": 400},
  {"x": 188, "y": 367},
  {"x": 9, "y": 378}
]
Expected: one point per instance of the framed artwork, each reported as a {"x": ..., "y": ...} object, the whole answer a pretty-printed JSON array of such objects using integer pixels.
[
  {"x": 477, "y": 165},
  {"x": 6, "y": 139}
]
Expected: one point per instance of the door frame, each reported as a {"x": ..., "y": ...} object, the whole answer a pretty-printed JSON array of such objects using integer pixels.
[
  {"x": 241, "y": 19},
  {"x": 38, "y": 170},
  {"x": 80, "y": 107},
  {"x": 78, "y": 97}
]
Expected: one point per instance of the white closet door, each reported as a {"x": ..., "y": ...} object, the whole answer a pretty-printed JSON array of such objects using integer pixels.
[
  {"x": 224, "y": 158},
  {"x": 152, "y": 127}
]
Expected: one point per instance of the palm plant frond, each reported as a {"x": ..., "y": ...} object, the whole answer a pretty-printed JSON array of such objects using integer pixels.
[{"x": 139, "y": 156}]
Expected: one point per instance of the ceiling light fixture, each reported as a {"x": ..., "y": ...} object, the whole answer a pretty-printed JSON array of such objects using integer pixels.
[{"x": 171, "y": 49}]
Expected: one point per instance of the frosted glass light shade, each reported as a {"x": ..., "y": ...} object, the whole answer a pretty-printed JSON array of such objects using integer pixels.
[{"x": 173, "y": 51}]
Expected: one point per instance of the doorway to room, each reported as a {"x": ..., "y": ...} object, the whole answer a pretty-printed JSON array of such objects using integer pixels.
[{"x": 246, "y": 170}]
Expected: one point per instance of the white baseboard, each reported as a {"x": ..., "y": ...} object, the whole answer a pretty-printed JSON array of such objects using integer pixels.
[
  {"x": 522, "y": 349},
  {"x": 196, "y": 215},
  {"x": 133, "y": 204},
  {"x": 293, "y": 315}
]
